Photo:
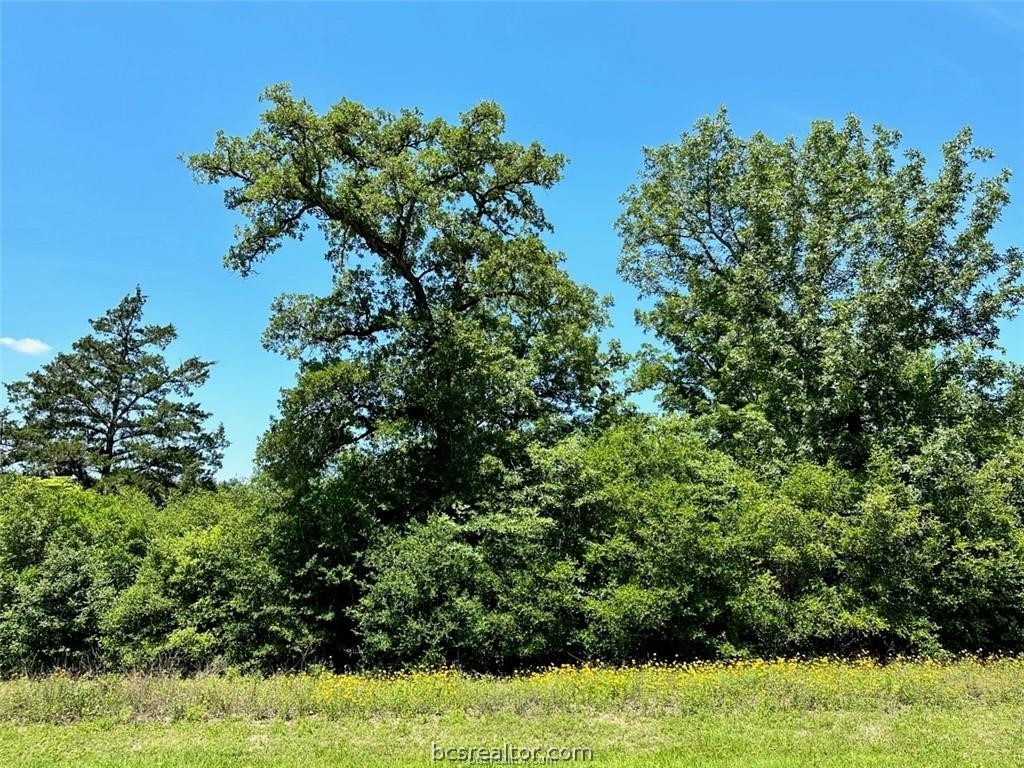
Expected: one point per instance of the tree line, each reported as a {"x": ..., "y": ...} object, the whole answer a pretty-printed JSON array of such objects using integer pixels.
[{"x": 460, "y": 474}]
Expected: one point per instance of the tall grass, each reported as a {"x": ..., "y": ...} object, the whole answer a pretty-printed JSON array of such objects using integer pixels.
[{"x": 778, "y": 685}]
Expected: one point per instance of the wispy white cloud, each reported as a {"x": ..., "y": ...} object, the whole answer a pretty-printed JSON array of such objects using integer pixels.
[{"x": 26, "y": 346}]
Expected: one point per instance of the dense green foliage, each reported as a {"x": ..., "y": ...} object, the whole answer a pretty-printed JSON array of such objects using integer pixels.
[
  {"x": 639, "y": 541},
  {"x": 65, "y": 555},
  {"x": 450, "y": 336},
  {"x": 91, "y": 580},
  {"x": 457, "y": 476},
  {"x": 450, "y": 342},
  {"x": 850, "y": 299}
]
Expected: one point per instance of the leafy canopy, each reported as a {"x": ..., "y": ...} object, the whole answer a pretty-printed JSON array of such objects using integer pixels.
[
  {"x": 450, "y": 332},
  {"x": 829, "y": 284}
]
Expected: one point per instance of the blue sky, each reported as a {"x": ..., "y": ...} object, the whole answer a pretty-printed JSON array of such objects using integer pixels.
[{"x": 99, "y": 100}]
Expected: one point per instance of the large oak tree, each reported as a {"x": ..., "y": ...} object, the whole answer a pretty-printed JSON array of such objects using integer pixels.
[
  {"x": 449, "y": 342},
  {"x": 450, "y": 336}
]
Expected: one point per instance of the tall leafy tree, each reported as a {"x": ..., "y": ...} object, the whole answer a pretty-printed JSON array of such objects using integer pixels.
[
  {"x": 113, "y": 411},
  {"x": 451, "y": 336},
  {"x": 831, "y": 284},
  {"x": 450, "y": 341}
]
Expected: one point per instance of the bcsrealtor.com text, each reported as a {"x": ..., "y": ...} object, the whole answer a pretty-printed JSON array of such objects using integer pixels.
[{"x": 509, "y": 754}]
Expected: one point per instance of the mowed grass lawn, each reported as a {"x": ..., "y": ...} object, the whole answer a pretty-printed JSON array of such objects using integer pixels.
[{"x": 779, "y": 713}]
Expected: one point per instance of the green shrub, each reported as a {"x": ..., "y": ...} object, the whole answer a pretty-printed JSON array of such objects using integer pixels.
[
  {"x": 208, "y": 591},
  {"x": 484, "y": 593},
  {"x": 64, "y": 555}
]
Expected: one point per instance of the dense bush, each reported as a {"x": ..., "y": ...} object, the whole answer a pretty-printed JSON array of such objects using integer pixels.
[
  {"x": 485, "y": 593},
  {"x": 689, "y": 553},
  {"x": 90, "y": 580},
  {"x": 635, "y": 541},
  {"x": 65, "y": 556},
  {"x": 208, "y": 590}
]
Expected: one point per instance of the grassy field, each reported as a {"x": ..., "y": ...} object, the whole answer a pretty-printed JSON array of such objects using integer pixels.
[{"x": 784, "y": 713}]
